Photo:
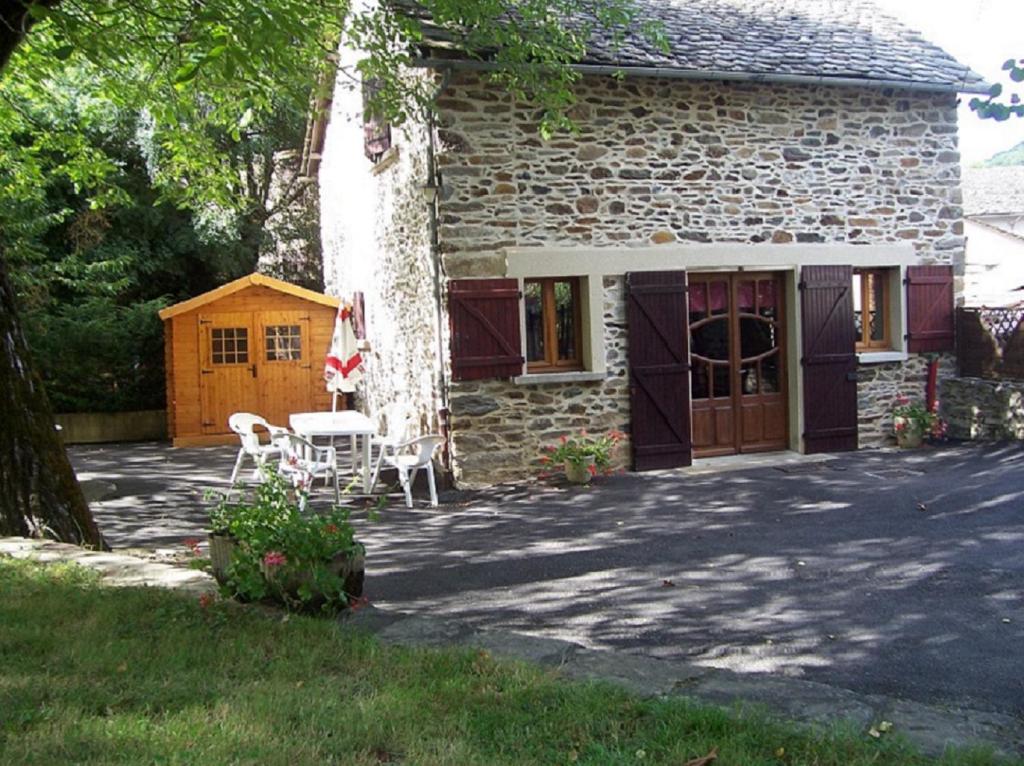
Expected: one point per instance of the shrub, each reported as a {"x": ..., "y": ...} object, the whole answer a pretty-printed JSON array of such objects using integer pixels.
[{"x": 305, "y": 562}]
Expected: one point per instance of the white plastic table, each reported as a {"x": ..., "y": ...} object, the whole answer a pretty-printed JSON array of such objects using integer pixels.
[{"x": 349, "y": 423}]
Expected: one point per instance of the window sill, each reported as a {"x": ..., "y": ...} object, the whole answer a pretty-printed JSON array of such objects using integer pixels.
[
  {"x": 879, "y": 357},
  {"x": 390, "y": 158},
  {"x": 537, "y": 378}
]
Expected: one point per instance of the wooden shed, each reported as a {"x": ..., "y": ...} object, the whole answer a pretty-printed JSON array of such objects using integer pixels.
[{"x": 253, "y": 345}]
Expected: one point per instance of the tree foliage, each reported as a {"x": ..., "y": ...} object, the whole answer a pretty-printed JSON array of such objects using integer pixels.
[
  {"x": 999, "y": 105},
  {"x": 204, "y": 73}
]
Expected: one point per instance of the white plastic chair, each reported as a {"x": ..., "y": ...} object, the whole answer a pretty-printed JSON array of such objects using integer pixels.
[
  {"x": 409, "y": 458},
  {"x": 303, "y": 463},
  {"x": 244, "y": 424},
  {"x": 393, "y": 430}
]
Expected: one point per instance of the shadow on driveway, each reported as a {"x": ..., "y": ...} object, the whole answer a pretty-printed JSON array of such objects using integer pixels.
[{"x": 882, "y": 572}]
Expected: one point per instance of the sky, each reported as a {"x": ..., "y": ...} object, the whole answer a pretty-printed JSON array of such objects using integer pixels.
[{"x": 982, "y": 34}]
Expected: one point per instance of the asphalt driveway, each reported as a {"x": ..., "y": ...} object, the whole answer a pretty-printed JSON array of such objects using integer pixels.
[{"x": 882, "y": 572}]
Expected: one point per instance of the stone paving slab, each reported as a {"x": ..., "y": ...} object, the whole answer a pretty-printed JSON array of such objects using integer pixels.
[
  {"x": 117, "y": 569},
  {"x": 931, "y": 729}
]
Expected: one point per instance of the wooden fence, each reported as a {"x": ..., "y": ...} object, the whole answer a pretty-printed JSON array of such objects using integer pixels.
[{"x": 990, "y": 343}]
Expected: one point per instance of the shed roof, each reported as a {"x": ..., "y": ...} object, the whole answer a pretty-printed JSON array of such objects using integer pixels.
[
  {"x": 782, "y": 40},
  {"x": 252, "y": 280}
]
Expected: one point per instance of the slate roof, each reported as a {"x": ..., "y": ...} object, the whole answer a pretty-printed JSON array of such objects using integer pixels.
[
  {"x": 993, "y": 191},
  {"x": 849, "y": 39}
]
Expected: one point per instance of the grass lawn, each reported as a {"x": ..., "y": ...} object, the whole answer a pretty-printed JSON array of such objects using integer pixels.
[{"x": 143, "y": 676}]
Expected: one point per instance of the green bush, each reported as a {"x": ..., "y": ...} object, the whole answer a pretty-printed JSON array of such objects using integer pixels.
[{"x": 283, "y": 555}]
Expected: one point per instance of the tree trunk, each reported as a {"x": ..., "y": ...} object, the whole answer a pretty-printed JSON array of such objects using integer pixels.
[{"x": 39, "y": 494}]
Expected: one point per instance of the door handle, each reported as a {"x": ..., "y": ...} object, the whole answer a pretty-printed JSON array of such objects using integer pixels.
[{"x": 252, "y": 369}]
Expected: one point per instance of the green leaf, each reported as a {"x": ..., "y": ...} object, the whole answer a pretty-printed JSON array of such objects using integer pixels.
[
  {"x": 995, "y": 90},
  {"x": 63, "y": 53},
  {"x": 1009, "y": 64},
  {"x": 186, "y": 73},
  {"x": 38, "y": 12}
]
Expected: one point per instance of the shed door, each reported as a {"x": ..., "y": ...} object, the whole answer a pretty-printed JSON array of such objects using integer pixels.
[
  {"x": 659, "y": 370},
  {"x": 829, "y": 360},
  {"x": 284, "y": 367},
  {"x": 227, "y": 372}
]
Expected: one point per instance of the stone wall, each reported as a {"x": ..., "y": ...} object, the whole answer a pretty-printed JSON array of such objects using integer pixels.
[
  {"x": 658, "y": 162},
  {"x": 981, "y": 410},
  {"x": 880, "y": 385},
  {"x": 376, "y": 237},
  {"x": 499, "y": 430}
]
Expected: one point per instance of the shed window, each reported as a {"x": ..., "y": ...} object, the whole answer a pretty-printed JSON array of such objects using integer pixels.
[
  {"x": 553, "y": 326},
  {"x": 871, "y": 310},
  {"x": 284, "y": 343},
  {"x": 230, "y": 345}
]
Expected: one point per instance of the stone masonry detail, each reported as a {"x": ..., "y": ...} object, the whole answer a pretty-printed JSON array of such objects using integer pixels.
[{"x": 658, "y": 162}]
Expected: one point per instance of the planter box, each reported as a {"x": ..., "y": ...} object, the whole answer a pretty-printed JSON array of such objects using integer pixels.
[
  {"x": 222, "y": 549},
  {"x": 99, "y": 427}
]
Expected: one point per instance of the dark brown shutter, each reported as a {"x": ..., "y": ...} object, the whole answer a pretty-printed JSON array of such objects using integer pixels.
[
  {"x": 376, "y": 131},
  {"x": 829, "y": 360},
  {"x": 659, "y": 370},
  {"x": 484, "y": 316},
  {"x": 930, "y": 312},
  {"x": 359, "y": 315}
]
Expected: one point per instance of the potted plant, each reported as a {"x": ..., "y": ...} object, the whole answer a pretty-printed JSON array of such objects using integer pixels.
[
  {"x": 912, "y": 421},
  {"x": 270, "y": 551},
  {"x": 584, "y": 455}
]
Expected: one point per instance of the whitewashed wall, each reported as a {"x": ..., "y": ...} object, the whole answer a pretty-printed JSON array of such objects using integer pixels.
[{"x": 376, "y": 238}]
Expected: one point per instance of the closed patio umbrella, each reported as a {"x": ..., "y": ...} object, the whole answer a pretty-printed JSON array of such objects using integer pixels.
[{"x": 343, "y": 367}]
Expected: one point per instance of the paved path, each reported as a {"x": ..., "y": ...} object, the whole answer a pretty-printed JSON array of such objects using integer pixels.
[
  {"x": 880, "y": 572},
  {"x": 885, "y": 573}
]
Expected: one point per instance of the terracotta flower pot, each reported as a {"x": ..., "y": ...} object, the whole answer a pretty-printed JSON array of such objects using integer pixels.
[
  {"x": 580, "y": 473},
  {"x": 908, "y": 435}
]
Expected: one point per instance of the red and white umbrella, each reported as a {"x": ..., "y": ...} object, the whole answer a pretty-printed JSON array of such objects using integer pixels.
[{"x": 343, "y": 368}]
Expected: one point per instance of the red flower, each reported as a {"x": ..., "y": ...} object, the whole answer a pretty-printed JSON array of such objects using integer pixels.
[
  {"x": 331, "y": 529},
  {"x": 274, "y": 559},
  {"x": 564, "y": 439},
  {"x": 545, "y": 459},
  {"x": 358, "y": 603},
  {"x": 206, "y": 600},
  {"x": 592, "y": 469},
  {"x": 193, "y": 545}
]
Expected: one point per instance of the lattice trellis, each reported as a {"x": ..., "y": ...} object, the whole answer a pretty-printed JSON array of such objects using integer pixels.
[{"x": 1001, "y": 323}]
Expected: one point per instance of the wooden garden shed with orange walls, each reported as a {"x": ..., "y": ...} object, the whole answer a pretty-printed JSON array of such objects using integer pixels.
[{"x": 253, "y": 345}]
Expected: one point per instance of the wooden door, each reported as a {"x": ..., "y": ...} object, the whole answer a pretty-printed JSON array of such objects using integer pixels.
[
  {"x": 829, "y": 358},
  {"x": 228, "y": 370},
  {"x": 284, "y": 365},
  {"x": 659, "y": 370},
  {"x": 737, "y": 357},
  {"x": 761, "y": 362}
]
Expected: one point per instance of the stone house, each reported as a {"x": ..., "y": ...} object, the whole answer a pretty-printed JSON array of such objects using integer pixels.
[
  {"x": 994, "y": 229},
  {"x": 751, "y": 243}
]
